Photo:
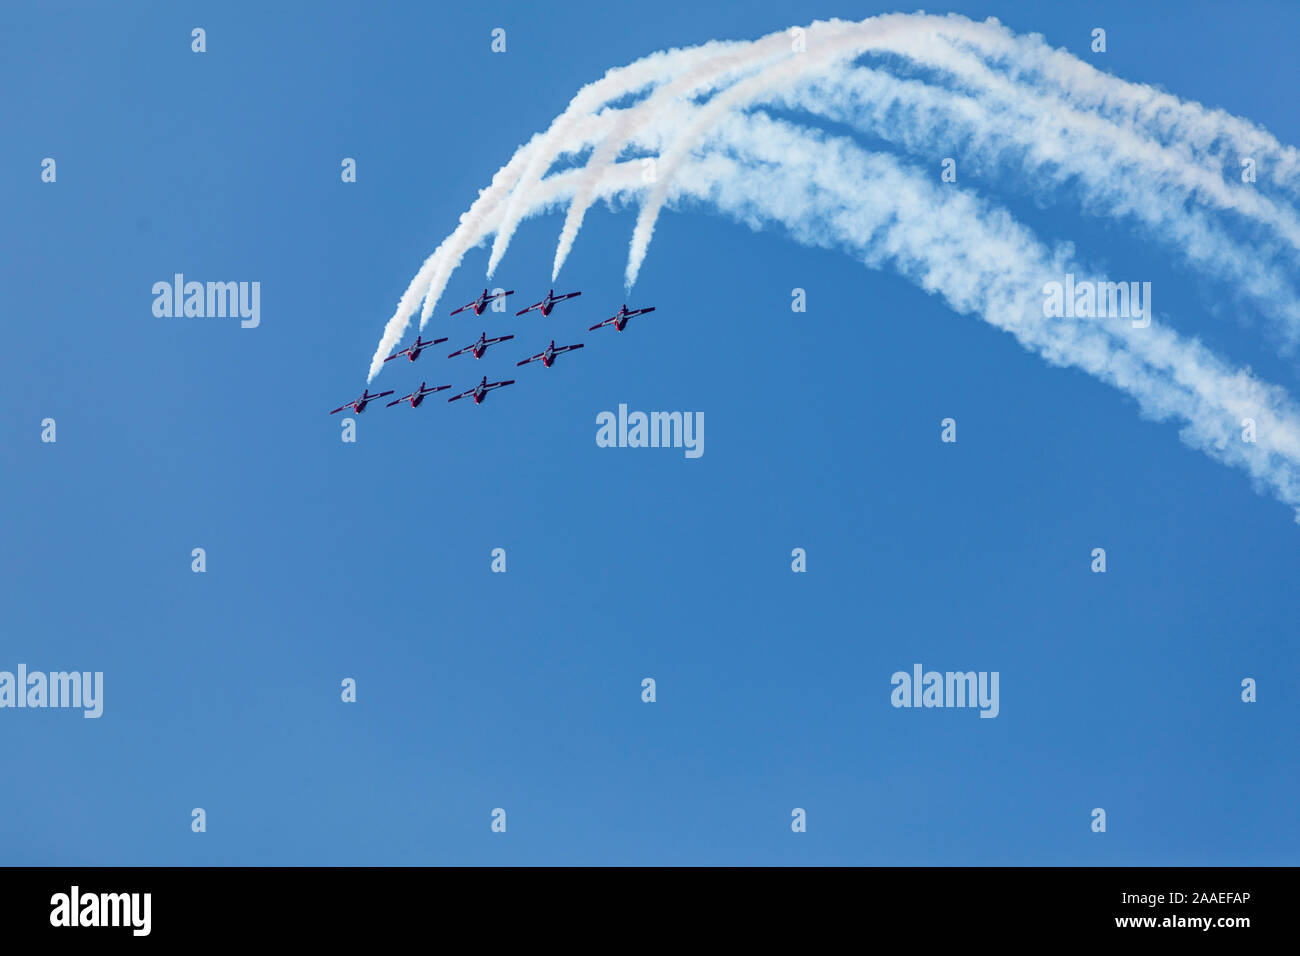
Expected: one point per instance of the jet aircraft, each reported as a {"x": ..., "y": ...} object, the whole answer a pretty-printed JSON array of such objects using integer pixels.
[
  {"x": 417, "y": 396},
  {"x": 481, "y": 303},
  {"x": 619, "y": 319},
  {"x": 480, "y": 390},
  {"x": 359, "y": 405},
  {"x": 547, "y": 304},
  {"x": 548, "y": 355},
  {"x": 412, "y": 352},
  {"x": 481, "y": 346}
]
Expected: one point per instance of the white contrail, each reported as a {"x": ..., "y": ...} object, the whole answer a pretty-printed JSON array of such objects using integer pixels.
[
  {"x": 982, "y": 262},
  {"x": 1206, "y": 135},
  {"x": 429, "y": 282},
  {"x": 703, "y": 78},
  {"x": 1068, "y": 131},
  {"x": 1107, "y": 172},
  {"x": 827, "y": 43},
  {"x": 925, "y": 38},
  {"x": 829, "y": 46},
  {"x": 658, "y": 68},
  {"x": 432, "y": 271},
  {"x": 828, "y": 191}
]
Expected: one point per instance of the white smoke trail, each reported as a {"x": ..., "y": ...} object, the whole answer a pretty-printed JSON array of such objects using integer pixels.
[
  {"x": 574, "y": 124},
  {"x": 912, "y": 35},
  {"x": 984, "y": 263},
  {"x": 829, "y": 192},
  {"x": 1070, "y": 133},
  {"x": 830, "y": 45},
  {"x": 697, "y": 63},
  {"x": 432, "y": 272},
  {"x": 1205, "y": 135},
  {"x": 702, "y": 79},
  {"x": 1106, "y": 171}
]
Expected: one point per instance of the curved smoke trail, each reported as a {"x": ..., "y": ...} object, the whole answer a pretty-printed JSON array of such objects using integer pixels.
[{"x": 1120, "y": 150}]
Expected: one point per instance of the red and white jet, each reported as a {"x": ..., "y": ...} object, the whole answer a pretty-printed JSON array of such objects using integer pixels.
[
  {"x": 479, "y": 347},
  {"x": 480, "y": 390},
  {"x": 479, "y": 304},
  {"x": 360, "y": 404},
  {"x": 619, "y": 319},
  {"x": 417, "y": 396},
  {"x": 412, "y": 352},
  {"x": 548, "y": 356},
  {"x": 547, "y": 304}
]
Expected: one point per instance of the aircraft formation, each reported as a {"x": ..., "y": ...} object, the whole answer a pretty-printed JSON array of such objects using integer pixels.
[{"x": 479, "y": 348}]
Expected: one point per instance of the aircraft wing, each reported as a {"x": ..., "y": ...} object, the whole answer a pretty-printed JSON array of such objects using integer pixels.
[
  {"x": 500, "y": 338},
  {"x": 461, "y": 351},
  {"x": 535, "y": 305},
  {"x": 400, "y": 400},
  {"x": 461, "y": 395},
  {"x": 606, "y": 322},
  {"x": 371, "y": 398},
  {"x": 531, "y": 359},
  {"x": 640, "y": 311},
  {"x": 467, "y": 305},
  {"x": 396, "y": 354},
  {"x": 567, "y": 295},
  {"x": 568, "y": 348},
  {"x": 499, "y": 384},
  {"x": 340, "y": 408}
]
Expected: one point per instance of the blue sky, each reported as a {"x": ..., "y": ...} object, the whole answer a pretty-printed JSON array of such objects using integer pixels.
[{"x": 522, "y": 690}]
